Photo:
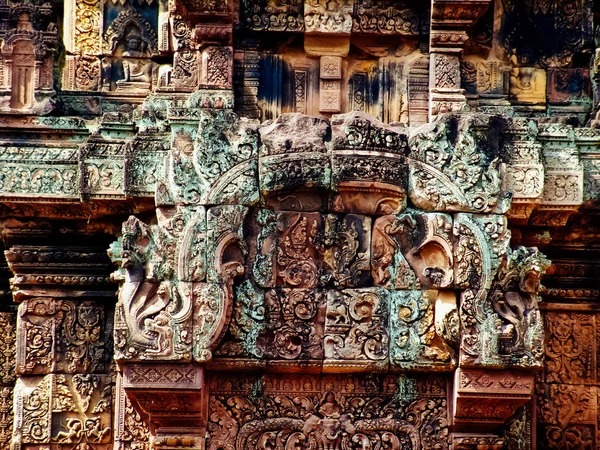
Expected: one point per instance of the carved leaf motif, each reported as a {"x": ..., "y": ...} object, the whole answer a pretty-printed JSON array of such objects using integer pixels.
[
  {"x": 450, "y": 173},
  {"x": 356, "y": 333},
  {"x": 335, "y": 412}
]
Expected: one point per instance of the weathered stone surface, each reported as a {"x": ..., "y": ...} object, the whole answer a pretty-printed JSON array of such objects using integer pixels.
[
  {"x": 299, "y": 258},
  {"x": 63, "y": 409},
  {"x": 413, "y": 250},
  {"x": 356, "y": 331},
  {"x": 487, "y": 398},
  {"x": 307, "y": 226},
  {"x": 347, "y": 257},
  {"x": 455, "y": 166},
  {"x": 481, "y": 241},
  {"x": 369, "y": 171},
  {"x": 502, "y": 327},
  {"x": 293, "y": 337},
  {"x": 414, "y": 340},
  {"x": 293, "y": 156},
  {"x": 333, "y": 410},
  {"x": 226, "y": 151}
]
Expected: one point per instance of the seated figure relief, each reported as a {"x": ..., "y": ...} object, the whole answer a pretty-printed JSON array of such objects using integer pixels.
[
  {"x": 131, "y": 42},
  {"x": 136, "y": 69}
]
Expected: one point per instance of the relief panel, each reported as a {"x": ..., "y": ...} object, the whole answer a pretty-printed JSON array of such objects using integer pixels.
[
  {"x": 315, "y": 412},
  {"x": 356, "y": 331}
]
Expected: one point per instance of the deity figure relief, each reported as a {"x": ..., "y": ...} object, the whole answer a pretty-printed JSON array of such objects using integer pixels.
[
  {"x": 528, "y": 85},
  {"x": 131, "y": 41},
  {"x": 136, "y": 66}
]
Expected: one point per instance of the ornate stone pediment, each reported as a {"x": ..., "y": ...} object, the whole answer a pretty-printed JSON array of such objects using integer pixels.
[
  {"x": 329, "y": 221},
  {"x": 317, "y": 263}
]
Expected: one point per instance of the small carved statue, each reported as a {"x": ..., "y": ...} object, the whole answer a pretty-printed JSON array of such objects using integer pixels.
[
  {"x": 515, "y": 300},
  {"x": 131, "y": 41},
  {"x": 528, "y": 85},
  {"x": 136, "y": 66}
]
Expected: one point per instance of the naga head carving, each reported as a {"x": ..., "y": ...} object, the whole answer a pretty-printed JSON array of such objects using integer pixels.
[{"x": 532, "y": 268}]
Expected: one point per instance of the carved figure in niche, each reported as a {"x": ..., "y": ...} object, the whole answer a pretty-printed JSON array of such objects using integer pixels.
[
  {"x": 137, "y": 67},
  {"x": 528, "y": 85},
  {"x": 132, "y": 41},
  {"x": 136, "y": 70}
]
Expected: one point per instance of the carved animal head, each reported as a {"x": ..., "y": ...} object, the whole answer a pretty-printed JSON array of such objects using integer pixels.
[{"x": 532, "y": 267}]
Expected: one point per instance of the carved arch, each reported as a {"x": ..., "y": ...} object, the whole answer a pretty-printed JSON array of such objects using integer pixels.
[{"x": 118, "y": 29}]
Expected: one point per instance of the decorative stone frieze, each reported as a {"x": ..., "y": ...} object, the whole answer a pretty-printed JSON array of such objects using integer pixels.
[{"x": 328, "y": 223}]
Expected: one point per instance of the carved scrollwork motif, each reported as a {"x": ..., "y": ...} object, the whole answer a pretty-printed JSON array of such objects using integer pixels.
[
  {"x": 412, "y": 250},
  {"x": 289, "y": 273},
  {"x": 414, "y": 342},
  {"x": 327, "y": 413},
  {"x": 377, "y": 17},
  {"x": 273, "y": 15},
  {"x": 356, "y": 334},
  {"x": 454, "y": 174},
  {"x": 499, "y": 309}
]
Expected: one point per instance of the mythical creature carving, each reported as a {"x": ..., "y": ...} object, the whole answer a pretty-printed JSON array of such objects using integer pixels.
[
  {"x": 413, "y": 250},
  {"x": 449, "y": 171}
]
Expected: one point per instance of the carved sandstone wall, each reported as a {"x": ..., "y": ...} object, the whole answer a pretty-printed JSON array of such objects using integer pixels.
[{"x": 328, "y": 224}]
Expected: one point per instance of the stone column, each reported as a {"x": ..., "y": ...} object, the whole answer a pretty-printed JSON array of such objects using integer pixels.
[
  {"x": 327, "y": 35},
  {"x": 563, "y": 176},
  {"x": 8, "y": 325},
  {"x": 64, "y": 387},
  {"x": 450, "y": 20}
]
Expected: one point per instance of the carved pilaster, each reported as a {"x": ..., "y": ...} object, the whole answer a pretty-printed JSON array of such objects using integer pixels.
[
  {"x": 563, "y": 176},
  {"x": 83, "y": 43},
  {"x": 173, "y": 397},
  {"x": 484, "y": 399},
  {"x": 29, "y": 44},
  {"x": 63, "y": 394},
  {"x": 447, "y": 36},
  {"x": 525, "y": 170}
]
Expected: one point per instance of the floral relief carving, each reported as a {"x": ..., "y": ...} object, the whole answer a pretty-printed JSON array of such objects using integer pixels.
[
  {"x": 332, "y": 416},
  {"x": 87, "y": 26},
  {"x": 290, "y": 274},
  {"x": 328, "y": 223},
  {"x": 356, "y": 334},
  {"x": 448, "y": 175},
  {"x": 569, "y": 349}
]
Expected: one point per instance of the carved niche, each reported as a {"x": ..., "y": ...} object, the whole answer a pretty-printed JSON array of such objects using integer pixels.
[
  {"x": 29, "y": 43},
  {"x": 131, "y": 41}
]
